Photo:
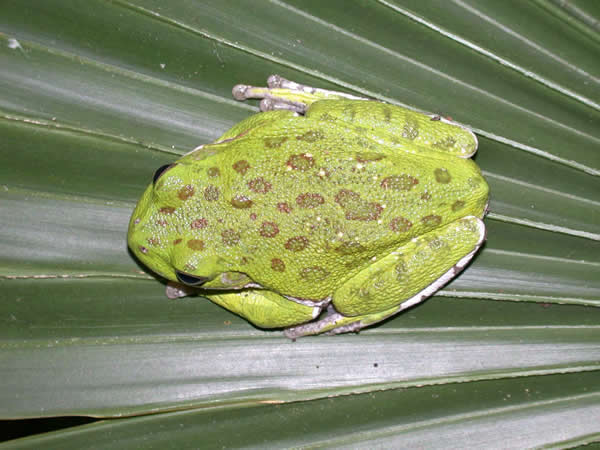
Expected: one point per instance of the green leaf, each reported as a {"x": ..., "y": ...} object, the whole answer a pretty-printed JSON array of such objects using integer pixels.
[
  {"x": 513, "y": 413},
  {"x": 94, "y": 95}
]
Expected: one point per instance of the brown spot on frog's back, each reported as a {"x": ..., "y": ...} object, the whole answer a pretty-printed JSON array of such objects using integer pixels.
[
  {"x": 211, "y": 193},
  {"x": 457, "y": 205},
  {"x": 349, "y": 248},
  {"x": 195, "y": 244},
  {"x": 301, "y": 162},
  {"x": 314, "y": 274},
  {"x": 367, "y": 157},
  {"x": 275, "y": 141},
  {"x": 311, "y": 136},
  {"x": 186, "y": 192},
  {"x": 345, "y": 196},
  {"x": 259, "y": 185},
  {"x": 230, "y": 237},
  {"x": 326, "y": 117},
  {"x": 277, "y": 265},
  {"x": 364, "y": 211},
  {"x": 241, "y": 166},
  {"x": 401, "y": 271},
  {"x": 387, "y": 114},
  {"x": 283, "y": 207},
  {"x": 241, "y": 202},
  {"x": 269, "y": 229},
  {"x": 357, "y": 209},
  {"x": 431, "y": 220},
  {"x": 401, "y": 182},
  {"x": 442, "y": 175},
  {"x": 297, "y": 243},
  {"x": 400, "y": 224},
  {"x": 309, "y": 200},
  {"x": 198, "y": 224},
  {"x": 410, "y": 130},
  {"x": 166, "y": 210},
  {"x": 445, "y": 144}
]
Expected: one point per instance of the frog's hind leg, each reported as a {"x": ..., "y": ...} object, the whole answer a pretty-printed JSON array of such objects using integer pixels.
[
  {"x": 399, "y": 127},
  {"x": 405, "y": 277},
  {"x": 286, "y": 94},
  {"x": 267, "y": 309}
]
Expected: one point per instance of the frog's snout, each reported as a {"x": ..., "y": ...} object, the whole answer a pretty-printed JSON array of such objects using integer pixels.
[{"x": 143, "y": 239}]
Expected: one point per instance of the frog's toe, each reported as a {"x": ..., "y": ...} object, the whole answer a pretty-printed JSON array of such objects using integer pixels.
[
  {"x": 271, "y": 104},
  {"x": 286, "y": 94},
  {"x": 328, "y": 323},
  {"x": 332, "y": 323},
  {"x": 271, "y": 100},
  {"x": 277, "y": 81},
  {"x": 240, "y": 91}
]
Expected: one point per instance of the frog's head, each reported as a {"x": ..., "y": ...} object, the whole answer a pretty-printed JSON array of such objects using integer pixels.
[{"x": 166, "y": 235}]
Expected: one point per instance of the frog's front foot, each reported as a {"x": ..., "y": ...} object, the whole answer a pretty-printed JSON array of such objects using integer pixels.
[{"x": 178, "y": 290}]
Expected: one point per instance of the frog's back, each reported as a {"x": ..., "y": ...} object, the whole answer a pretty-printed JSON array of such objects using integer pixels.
[{"x": 318, "y": 204}]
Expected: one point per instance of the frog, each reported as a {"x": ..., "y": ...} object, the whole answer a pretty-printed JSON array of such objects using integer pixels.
[{"x": 325, "y": 212}]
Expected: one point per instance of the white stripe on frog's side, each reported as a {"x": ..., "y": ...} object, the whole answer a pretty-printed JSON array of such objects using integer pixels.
[
  {"x": 192, "y": 151},
  {"x": 303, "y": 301}
]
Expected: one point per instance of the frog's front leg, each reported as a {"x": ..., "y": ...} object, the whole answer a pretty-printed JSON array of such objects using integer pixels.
[
  {"x": 401, "y": 279},
  {"x": 288, "y": 95},
  {"x": 267, "y": 309}
]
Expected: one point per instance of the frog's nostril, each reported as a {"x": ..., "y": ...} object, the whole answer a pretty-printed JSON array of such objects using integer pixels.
[{"x": 190, "y": 280}]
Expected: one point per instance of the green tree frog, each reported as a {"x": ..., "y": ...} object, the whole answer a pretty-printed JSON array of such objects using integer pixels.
[{"x": 325, "y": 212}]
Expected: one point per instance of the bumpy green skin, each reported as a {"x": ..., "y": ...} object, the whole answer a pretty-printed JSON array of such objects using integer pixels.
[{"x": 360, "y": 202}]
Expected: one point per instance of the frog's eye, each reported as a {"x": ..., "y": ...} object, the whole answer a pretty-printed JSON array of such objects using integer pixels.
[
  {"x": 190, "y": 280},
  {"x": 161, "y": 170}
]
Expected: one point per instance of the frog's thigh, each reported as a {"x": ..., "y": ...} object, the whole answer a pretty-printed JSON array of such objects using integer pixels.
[
  {"x": 403, "y": 278},
  {"x": 266, "y": 309},
  {"x": 400, "y": 127}
]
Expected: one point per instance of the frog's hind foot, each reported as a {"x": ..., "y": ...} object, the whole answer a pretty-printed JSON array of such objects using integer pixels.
[
  {"x": 269, "y": 101},
  {"x": 332, "y": 323},
  {"x": 285, "y": 94}
]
